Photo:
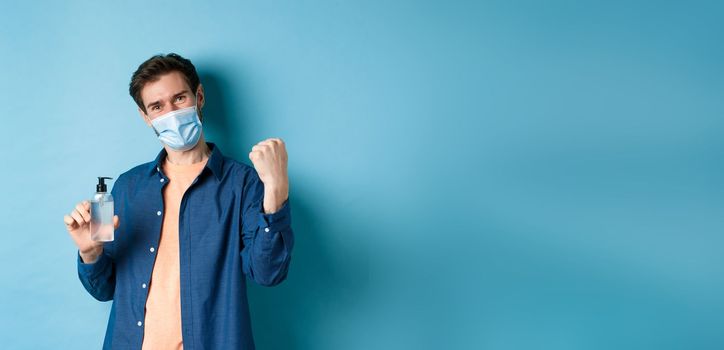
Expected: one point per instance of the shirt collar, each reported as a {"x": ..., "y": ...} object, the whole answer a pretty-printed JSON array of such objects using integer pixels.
[{"x": 214, "y": 163}]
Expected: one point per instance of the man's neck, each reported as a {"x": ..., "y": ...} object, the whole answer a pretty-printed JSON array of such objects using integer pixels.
[{"x": 197, "y": 154}]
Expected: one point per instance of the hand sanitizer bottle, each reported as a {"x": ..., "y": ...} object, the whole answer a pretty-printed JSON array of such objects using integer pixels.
[{"x": 101, "y": 225}]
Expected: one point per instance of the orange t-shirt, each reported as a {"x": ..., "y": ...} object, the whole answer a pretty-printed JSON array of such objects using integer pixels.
[{"x": 163, "y": 305}]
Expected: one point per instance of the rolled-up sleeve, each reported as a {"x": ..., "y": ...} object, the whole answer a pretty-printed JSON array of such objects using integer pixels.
[
  {"x": 268, "y": 238},
  {"x": 98, "y": 277}
]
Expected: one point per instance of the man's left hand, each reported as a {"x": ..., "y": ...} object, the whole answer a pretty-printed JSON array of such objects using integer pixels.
[{"x": 270, "y": 160}]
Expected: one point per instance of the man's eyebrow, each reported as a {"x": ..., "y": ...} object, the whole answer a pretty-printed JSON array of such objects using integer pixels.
[
  {"x": 181, "y": 93},
  {"x": 153, "y": 104},
  {"x": 174, "y": 96}
]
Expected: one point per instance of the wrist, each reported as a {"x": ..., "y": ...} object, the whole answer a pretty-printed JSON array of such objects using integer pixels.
[
  {"x": 91, "y": 255},
  {"x": 274, "y": 198},
  {"x": 276, "y": 184}
]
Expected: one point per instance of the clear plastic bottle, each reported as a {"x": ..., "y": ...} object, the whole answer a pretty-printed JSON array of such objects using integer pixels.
[{"x": 101, "y": 225}]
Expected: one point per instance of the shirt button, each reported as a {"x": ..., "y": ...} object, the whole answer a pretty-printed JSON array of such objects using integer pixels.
[
  {"x": 266, "y": 229},
  {"x": 152, "y": 249},
  {"x": 143, "y": 286},
  {"x": 139, "y": 323},
  {"x": 158, "y": 213},
  {"x": 161, "y": 180}
]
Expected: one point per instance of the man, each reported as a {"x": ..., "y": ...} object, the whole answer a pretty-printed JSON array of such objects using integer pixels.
[{"x": 190, "y": 226}]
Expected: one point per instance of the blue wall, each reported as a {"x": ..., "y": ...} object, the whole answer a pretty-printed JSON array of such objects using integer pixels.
[{"x": 465, "y": 175}]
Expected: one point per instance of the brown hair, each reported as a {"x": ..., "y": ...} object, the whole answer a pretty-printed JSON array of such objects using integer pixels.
[{"x": 153, "y": 68}]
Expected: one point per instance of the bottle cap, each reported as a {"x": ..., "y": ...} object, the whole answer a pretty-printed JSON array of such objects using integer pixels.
[{"x": 101, "y": 187}]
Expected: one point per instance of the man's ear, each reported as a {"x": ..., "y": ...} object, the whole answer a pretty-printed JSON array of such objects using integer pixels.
[
  {"x": 144, "y": 116},
  {"x": 200, "y": 98}
]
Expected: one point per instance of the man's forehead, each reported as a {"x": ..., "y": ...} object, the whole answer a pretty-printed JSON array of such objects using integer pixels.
[{"x": 165, "y": 86}]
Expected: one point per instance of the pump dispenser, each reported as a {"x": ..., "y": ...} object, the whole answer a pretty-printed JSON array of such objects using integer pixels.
[{"x": 101, "y": 225}]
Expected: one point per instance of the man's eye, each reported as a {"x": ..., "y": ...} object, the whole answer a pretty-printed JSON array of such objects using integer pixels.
[
  {"x": 180, "y": 98},
  {"x": 155, "y": 108}
]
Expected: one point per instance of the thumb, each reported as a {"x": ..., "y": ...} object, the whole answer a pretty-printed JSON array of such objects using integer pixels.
[{"x": 116, "y": 221}]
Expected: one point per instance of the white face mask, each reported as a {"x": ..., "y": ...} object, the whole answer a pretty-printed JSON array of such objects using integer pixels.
[{"x": 180, "y": 129}]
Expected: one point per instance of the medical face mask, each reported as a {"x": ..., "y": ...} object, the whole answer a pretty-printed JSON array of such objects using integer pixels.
[{"x": 180, "y": 129}]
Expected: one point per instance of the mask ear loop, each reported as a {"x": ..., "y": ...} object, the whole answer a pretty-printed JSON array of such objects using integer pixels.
[
  {"x": 153, "y": 127},
  {"x": 198, "y": 111}
]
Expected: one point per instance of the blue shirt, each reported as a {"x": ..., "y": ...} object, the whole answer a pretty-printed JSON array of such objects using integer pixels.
[{"x": 224, "y": 238}]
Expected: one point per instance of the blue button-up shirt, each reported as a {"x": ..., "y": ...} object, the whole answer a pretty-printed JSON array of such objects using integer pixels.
[{"x": 224, "y": 237}]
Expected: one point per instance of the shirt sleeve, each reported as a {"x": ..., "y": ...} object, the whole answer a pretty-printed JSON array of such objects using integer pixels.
[
  {"x": 98, "y": 277},
  {"x": 268, "y": 238}
]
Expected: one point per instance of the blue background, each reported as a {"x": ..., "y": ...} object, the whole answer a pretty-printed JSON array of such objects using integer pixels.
[{"x": 465, "y": 175}]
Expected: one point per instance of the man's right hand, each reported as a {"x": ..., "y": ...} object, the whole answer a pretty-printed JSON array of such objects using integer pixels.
[{"x": 78, "y": 225}]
